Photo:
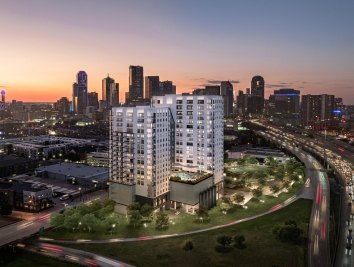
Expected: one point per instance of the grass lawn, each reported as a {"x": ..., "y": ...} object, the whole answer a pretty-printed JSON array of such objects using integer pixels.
[
  {"x": 263, "y": 249},
  {"x": 182, "y": 223},
  {"x": 34, "y": 260}
]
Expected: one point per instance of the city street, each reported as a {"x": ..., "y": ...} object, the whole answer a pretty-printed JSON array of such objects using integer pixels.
[{"x": 33, "y": 222}]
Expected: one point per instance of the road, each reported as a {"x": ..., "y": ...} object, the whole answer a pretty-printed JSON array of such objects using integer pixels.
[
  {"x": 319, "y": 192},
  {"x": 32, "y": 222},
  {"x": 341, "y": 159},
  {"x": 70, "y": 255}
]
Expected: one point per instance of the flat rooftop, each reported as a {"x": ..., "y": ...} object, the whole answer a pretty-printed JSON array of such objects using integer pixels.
[
  {"x": 9, "y": 160},
  {"x": 188, "y": 177},
  {"x": 73, "y": 169}
]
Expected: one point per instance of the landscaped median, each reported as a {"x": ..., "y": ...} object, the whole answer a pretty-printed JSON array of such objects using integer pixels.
[{"x": 262, "y": 245}]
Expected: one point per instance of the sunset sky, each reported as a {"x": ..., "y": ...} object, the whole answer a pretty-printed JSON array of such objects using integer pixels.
[{"x": 306, "y": 45}]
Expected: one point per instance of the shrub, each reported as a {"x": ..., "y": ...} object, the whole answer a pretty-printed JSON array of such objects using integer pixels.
[
  {"x": 223, "y": 244},
  {"x": 161, "y": 221},
  {"x": 188, "y": 245},
  {"x": 240, "y": 241}
]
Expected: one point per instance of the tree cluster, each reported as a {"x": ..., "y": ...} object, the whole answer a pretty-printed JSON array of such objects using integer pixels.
[
  {"x": 289, "y": 232},
  {"x": 96, "y": 217},
  {"x": 225, "y": 243},
  {"x": 137, "y": 214},
  {"x": 202, "y": 215}
]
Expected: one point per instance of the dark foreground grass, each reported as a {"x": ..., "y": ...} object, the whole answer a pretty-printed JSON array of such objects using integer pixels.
[{"x": 263, "y": 249}]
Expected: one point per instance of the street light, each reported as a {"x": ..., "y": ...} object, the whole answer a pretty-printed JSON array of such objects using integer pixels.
[{"x": 113, "y": 226}]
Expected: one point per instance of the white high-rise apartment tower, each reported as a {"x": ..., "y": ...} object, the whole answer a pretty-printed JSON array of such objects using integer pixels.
[
  {"x": 140, "y": 155},
  {"x": 170, "y": 154}
]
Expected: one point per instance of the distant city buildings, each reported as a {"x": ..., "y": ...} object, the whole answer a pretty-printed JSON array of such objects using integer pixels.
[
  {"x": 167, "y": 88},
  {"x": 225, "y": 89},
  {"x": 317, "y": 111},
  {"x": 176, "y": 141},
  {"x": 248, "y": 104},
  {"x": 252, "y": 102},
  {"x": 43, "y": 147},
  {"x": 62, "y": 106},
  {"x": 152, "y": 86},
  {"x": 257, "y": 86},
  {"x": 80, "y": 93},
  {"x": 110, "y": 92},
  {"x": 284, "y": 106},
  {"x": 92, "y": 100},
  {"x": 227, "y": 92},
  {"x": 136, "y": 83},
  {"x": 2, "y": 101},
  {"x": 99, "y": 159}
]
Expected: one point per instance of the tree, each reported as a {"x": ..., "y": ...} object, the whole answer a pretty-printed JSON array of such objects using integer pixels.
[
  {"x": 294, "y": 177},
  {"x": 279, "y": 176},
  {"x": 241, "y": 161},
  {"x": 161, "y": 221},
  {"x": 104, "y": 212},
  {"x": 146, "y": 210},
  {"x": 290, "y": 165},
  {"x": 299, "y": 172},
  {"x": 271, "y": 161},
  {"x": 258, "y": 174},
  {"x": 257, "y": 192},
  {"x": 239, "y": 183},
  {"x": 224, "y": 243},
  {"x": 240, "y": 241},
  {"x": 262, "y": 181},
  {"x": 134, "y": 206},
  {"x": 83, "y": 209},
  {"x": 90, "y": 222},
  {"x": 250, "y": 160},
  {"x": 289, "y": 232},
  {"x": 71, "y": 222},
  {"x": 6, "y": 209},
  {"x": 135, "y": 218},
  {"x": 274, "y": 188},
  {"x": 57, "y": 220},
  {"x": 95, "y": 206},
  {"x": 202, "y": 214},
  {"x": 110, "y": 220},
  {"x": 188, "y": 245},
  {"x": 225, "y": 206},
  {"x": 239, "y": 198}
]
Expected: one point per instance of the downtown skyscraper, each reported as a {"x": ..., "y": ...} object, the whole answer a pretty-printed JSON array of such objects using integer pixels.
[
  {"x": 80, "y": 93},
  {"x": 110, "y": 92},
  {"x": 152, "y": 86},
  {"x": 136, "y": 83},
  {"x": 317, "y": 111},
  {"x": 227, "y": 92}
]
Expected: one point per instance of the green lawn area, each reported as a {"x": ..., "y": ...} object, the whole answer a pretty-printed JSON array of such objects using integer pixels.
[
  {"x": 263, "y": 249},
  {"x": 182, "y": 223},
  {"x": 33, "y": 260}
]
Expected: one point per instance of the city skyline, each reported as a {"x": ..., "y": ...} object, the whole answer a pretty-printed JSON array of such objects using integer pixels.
[{"x": 299, "y": 45}]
